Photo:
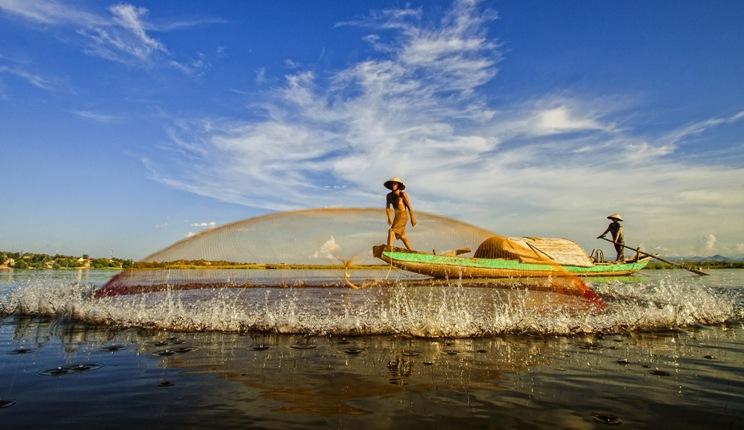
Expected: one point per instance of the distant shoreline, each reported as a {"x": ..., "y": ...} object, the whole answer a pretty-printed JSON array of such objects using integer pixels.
[{"x": 181, "y": 266}]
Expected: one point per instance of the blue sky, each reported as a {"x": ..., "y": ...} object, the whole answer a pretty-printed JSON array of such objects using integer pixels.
[{"x": 127, "y": 126}]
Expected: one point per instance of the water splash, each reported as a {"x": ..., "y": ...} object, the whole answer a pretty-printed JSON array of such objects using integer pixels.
[{"x": 418, "y": 309}]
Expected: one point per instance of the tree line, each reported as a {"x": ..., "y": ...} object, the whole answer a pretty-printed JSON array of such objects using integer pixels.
[{"x": 29, "y": 260}]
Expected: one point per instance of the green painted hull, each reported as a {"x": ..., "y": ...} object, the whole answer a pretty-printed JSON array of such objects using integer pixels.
[{"x": 442, "y": 266}]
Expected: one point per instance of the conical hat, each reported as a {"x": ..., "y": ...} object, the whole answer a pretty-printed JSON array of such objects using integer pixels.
[
  {"x": 615, "y": 216},
  {"x": 389, "y": 184}
]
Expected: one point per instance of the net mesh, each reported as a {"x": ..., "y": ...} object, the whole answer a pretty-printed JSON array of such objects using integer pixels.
[{"x": 309, "y": 239}]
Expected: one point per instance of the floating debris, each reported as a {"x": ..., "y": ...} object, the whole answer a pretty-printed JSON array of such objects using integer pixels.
[
  {"x": 64, "y": 370},
  {"x": 607, "y": 419}
]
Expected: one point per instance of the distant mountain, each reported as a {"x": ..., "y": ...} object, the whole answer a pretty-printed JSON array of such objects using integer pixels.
[{"x": 712, "y": 258}]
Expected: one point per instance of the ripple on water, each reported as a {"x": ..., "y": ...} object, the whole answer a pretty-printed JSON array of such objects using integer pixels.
[{"x": 72, "y": 368}]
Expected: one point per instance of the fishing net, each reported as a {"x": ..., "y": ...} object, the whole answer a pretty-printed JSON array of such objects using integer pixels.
[{"x": 291, "y": 249}]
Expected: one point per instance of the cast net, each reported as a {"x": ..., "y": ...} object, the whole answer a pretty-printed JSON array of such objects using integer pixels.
[{"x": 318, "y": 247}]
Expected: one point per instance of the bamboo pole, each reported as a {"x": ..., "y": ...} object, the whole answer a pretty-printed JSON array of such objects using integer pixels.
[{"x": 660, "y": 259}]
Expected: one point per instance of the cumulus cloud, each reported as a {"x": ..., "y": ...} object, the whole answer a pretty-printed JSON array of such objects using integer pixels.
[
  {"x": 708, "y": 245},
  {"x": 328, "y": 250}
]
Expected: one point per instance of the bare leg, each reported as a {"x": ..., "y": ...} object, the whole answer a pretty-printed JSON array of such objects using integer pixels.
[
  {"x": 405, "y": 242},
  {"x": 390, "y": 237},
  {"x": 620, "y": 253}
]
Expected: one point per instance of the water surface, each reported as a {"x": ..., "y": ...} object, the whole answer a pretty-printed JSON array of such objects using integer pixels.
[{"x": 668, "y": 351}]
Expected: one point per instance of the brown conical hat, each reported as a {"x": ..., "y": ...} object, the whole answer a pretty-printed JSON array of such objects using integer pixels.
[
  {"x": 389, "y": 184},
  {"x": 615, "y": 216}
]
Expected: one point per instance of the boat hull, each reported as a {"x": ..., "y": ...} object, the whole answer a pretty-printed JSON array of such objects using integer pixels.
[{"x": 443, "y": 266}]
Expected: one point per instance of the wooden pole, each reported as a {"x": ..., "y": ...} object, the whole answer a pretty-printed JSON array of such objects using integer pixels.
[{"x": 660, "y": 259}]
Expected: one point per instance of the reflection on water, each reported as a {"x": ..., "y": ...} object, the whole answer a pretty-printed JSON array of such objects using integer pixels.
[{"x": 685, "y": 379}]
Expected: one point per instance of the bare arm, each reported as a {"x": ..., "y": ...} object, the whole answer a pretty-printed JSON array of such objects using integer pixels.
[
  {"x": 605, "y": 232},
  {"x": 388, "y": 203},
  {"x": 409, "y": 208}
]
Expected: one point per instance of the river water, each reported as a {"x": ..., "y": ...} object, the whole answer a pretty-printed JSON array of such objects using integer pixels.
[{"x": 666, "y": 352}]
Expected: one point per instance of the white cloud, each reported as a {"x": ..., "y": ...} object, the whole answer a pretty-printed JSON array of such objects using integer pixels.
[
  {"x": 48, "y": 12},
  {"x": 328, "y": 250},
  {"x": 95, "y": 116},
  {"x": 123, "y": 35},
  {"x": 35, "y": 79},
  {"x": 560, "y": 120},
  {"x": 413, "y": 109},
  {"x": 210, "y": 224},
  {"x": 707, "y": 245}
]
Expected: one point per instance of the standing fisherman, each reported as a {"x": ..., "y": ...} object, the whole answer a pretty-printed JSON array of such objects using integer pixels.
[
  {"x": 398, "y": 200},
  {"x": 618, "y": 237}
]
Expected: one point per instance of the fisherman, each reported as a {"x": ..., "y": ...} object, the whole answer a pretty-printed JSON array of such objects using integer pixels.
[
  {"x": 618, "y": 237},
  {"x": 398, "y": 200}
]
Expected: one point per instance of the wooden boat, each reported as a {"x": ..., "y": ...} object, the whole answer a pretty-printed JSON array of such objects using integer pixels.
[{"x": 500, "y": 257}]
